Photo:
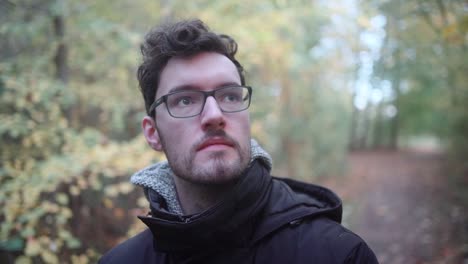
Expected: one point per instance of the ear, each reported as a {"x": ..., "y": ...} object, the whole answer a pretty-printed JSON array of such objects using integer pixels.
[{"x": 151, "y": 133}]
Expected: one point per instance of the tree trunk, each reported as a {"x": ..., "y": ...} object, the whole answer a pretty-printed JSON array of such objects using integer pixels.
[
  {"x": 377, "y": 139},
  {"x": 353, "y": 127},
  {"x": 395, "y": 125},
  {"x": 166, "y": 10},
  {"x": 61, "y": 55},
  {"x": 355, "y": 114},
  {"x": 396, "y": 85},
  {"x": 287, "y": 142},
  {"x": 366, "y": 128}
]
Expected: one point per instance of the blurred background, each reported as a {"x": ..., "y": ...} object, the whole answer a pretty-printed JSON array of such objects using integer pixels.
[{"x": 366, "y": 97}]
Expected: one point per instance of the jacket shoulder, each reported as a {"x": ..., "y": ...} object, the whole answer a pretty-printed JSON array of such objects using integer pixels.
[
  {"x": 138, "y": 249},
  {"x": 338, "y": 243},
  {"x": 319, "y": 239}
]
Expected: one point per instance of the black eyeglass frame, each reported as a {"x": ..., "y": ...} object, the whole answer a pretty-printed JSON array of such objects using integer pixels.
[{"x": 206, "y": 94}]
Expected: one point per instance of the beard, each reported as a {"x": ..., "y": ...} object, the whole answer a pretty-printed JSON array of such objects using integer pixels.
[{"x": 219, "y": 170}]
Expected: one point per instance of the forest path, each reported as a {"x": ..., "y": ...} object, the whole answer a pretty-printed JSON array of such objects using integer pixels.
[{"x": 401, "y": 203}]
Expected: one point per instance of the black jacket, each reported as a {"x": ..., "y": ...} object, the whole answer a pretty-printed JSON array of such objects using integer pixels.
[{"x": 262, "y": 220}]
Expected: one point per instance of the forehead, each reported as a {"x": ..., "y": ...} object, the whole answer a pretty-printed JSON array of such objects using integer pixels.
[{"x": 203, "y": 71}]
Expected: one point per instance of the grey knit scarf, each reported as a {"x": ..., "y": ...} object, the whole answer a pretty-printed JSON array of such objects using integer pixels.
[{"x": 159, "y": 177}]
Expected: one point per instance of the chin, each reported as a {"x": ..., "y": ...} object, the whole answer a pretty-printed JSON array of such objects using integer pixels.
[{"x": 219, "y": 171}]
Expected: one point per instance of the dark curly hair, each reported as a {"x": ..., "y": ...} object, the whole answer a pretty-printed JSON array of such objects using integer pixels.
[{"x": 181, "y": 39}]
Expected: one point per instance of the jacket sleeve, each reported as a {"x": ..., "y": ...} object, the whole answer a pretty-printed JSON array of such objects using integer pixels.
[{"x": 361, "y": 254}]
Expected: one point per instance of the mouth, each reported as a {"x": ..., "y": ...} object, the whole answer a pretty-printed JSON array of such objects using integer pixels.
[{"x": 215, "y": 142}]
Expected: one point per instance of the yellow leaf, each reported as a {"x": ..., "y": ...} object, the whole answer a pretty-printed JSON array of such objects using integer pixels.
[
  {"x": 126, "y": 187},
  {"x": 142, "y": 202},
  {"x": 75, "y": 191},
  {"x": 32, "y": 247},
  {"x": 111, "y": 191},
  {"x": 66, "y": 212},
  {"x": 108, "y": 203},
  {"x": 61, "y": 198},
  {"x": 80, "y": 259},
  {"x": 23, "y": 260},
  {"x": 48, "y": 257}
]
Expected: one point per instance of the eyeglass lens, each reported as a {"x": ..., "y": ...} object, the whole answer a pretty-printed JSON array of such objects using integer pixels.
[{"x": 189, "y": 103}]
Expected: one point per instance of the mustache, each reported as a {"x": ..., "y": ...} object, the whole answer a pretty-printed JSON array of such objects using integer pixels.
[{"x": 221, "y": 134}]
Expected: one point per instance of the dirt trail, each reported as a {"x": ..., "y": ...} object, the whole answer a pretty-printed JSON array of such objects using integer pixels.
[{"x": 401, "y": 204}]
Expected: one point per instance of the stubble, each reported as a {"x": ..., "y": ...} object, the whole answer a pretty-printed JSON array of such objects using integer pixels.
[{"x": 219, "y": 170}]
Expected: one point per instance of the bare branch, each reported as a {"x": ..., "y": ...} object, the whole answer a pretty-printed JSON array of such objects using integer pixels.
[
  {"x": 427, "y": 17},
  {"x": 443, "y": 12}
]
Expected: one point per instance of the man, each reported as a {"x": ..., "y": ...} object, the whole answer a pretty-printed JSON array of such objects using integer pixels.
[{"x": 214, "y": 200}]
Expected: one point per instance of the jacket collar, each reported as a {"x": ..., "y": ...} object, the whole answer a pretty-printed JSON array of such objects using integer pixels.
[
  {"x": 292, "y": 202},
  {"x": 227, "y": 224}
]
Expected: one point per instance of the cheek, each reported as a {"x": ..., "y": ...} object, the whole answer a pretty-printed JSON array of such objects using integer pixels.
[
  {"x": 177, "y": 135},
  {"x": 243, "y": 126},
  {"x": 246, "y": 123},
  {"x": 173, "y": 136}
]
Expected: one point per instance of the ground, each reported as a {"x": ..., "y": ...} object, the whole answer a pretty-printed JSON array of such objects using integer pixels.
[{"x": 403, "y": 205}]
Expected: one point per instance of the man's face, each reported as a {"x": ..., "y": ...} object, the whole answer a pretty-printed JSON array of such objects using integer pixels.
[{"x": 213, "y": 147}]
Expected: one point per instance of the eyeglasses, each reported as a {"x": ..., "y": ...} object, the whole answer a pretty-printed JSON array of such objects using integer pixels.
[{"x": 189, "y": 103}]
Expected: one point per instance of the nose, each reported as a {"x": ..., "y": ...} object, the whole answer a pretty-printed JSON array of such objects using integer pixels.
[{"x": 212, "y": 117}]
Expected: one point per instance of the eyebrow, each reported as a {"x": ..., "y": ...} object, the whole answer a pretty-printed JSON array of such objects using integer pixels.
[{"x": 186, "y": 87}]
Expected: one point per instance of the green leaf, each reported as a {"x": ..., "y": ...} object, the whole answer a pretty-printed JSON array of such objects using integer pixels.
[{"x": 13, "y": 244}]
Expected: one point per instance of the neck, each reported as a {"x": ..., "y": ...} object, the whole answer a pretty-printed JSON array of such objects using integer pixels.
[{"x": 197, "y": 197}]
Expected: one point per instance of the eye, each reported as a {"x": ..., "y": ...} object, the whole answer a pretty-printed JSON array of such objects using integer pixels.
[
  {"x": 184, "y": 101},
  {"x": 232, "y": 97}
]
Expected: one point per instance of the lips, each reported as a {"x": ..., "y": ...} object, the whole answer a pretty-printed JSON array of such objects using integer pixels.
[{"x": 214, "y": 142}]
